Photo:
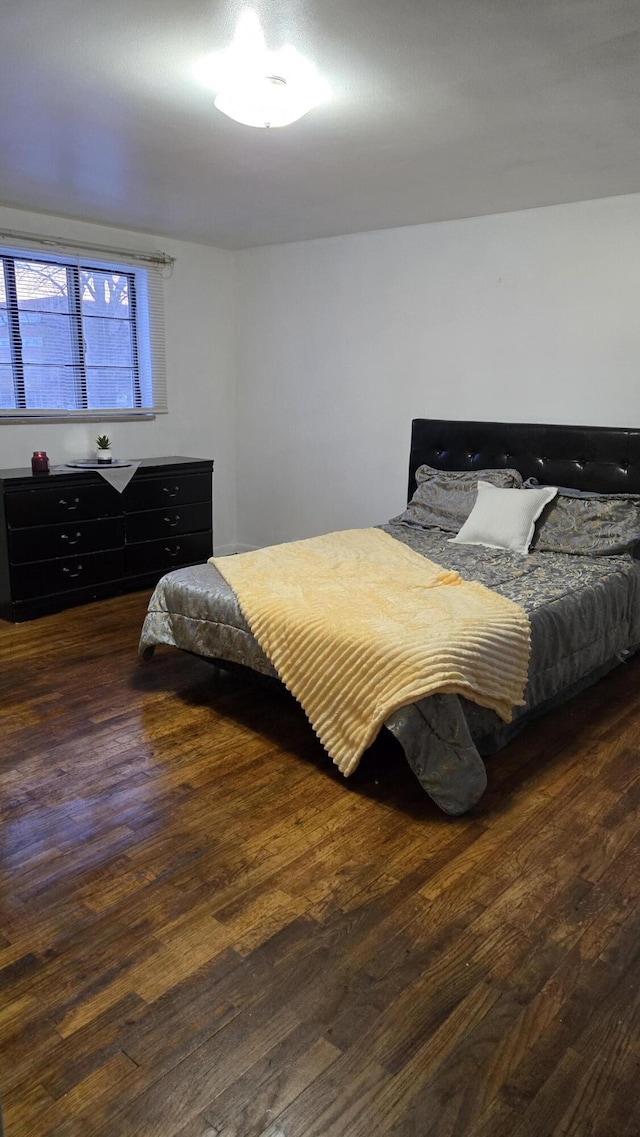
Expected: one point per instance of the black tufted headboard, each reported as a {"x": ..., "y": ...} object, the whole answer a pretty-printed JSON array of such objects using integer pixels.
[{"x": 603, "y": 458}]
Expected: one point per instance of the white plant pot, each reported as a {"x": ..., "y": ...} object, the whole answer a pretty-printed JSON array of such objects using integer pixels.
[{"x": 103, "y": 455}]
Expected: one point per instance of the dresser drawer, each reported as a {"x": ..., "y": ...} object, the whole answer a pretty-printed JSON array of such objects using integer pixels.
[
  {"x": 46, "y": 507},
  {"x": 170, "y": 490},
  {"x": 64, "y": 540},
  {"x": 42, "y": 578},
  {"x": 168, "y": 522},
  {"x": 170, "y": 552}
]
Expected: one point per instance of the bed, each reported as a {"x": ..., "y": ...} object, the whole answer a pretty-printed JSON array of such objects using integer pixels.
[{"x": 579, "y": 585}]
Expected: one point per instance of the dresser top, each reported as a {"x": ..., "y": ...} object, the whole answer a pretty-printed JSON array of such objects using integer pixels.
[{"x": 25, "y": 475}]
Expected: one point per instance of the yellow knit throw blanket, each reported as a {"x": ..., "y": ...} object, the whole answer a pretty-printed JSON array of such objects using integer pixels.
[{"x": 357, "y": 625}]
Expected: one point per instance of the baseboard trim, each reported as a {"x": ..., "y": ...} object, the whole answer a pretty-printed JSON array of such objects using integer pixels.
[{"x": 229, "y": 550}]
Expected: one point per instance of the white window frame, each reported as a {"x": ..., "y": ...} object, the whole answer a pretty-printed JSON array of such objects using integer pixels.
[{"x": 146, "y": 273}]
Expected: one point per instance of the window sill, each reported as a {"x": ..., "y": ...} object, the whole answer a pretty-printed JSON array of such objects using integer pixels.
[{"x": 36, "y": 420}]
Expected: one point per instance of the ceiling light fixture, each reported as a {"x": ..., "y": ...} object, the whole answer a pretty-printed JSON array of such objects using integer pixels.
[{"x": 258, "y": 87}]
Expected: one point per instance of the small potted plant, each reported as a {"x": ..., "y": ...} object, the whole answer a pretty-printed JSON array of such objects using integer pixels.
[{"x": 103, "y": 453}]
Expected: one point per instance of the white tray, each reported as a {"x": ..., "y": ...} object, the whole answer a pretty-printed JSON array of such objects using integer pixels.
[{"x": 93, "y": 464}]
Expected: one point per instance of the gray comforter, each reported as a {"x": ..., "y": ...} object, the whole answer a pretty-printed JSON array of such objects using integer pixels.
[{"x": 585, "y": 618}]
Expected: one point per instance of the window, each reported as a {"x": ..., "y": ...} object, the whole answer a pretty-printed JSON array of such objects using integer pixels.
[{"x": 79, "y": 338}]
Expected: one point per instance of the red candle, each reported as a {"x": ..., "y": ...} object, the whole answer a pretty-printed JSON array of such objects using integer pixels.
[{"x": 40, "y": 462}]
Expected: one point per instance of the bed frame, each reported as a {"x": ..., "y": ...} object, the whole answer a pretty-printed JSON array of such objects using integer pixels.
[{"x": 603, "y": 458}]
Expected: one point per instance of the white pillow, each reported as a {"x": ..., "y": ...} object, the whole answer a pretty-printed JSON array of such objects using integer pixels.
[{"x": 504, "y": 519}]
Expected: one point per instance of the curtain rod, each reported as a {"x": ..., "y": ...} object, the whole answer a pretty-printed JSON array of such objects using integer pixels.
[{"x": 62, "y": 244}]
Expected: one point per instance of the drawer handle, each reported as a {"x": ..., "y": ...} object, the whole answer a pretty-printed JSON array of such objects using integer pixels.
[
  {"x": 66, "y": 537},
  {"x": 170, "y": 522},
  {"x": 172, "y": 552},
  {"x": 76, "y": 503},
  {"x": 73, "y": 574},
  {"x": 171, "y": 493}
]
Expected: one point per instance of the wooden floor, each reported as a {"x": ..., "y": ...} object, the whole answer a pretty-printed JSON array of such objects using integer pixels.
[{"x": 206, "y": 931}]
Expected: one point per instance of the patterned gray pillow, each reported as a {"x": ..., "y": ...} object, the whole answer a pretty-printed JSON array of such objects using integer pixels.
[
  {"x": 593, "y": 526},
  {"x": 567, "y": 491},
  {"x": 444, "y": 498}
]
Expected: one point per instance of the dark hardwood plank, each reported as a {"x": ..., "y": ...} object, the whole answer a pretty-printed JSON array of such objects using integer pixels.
[{"x": 206, "y": 932}]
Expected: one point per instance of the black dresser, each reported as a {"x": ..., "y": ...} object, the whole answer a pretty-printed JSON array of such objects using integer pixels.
[{"x": 67, "y": 538}]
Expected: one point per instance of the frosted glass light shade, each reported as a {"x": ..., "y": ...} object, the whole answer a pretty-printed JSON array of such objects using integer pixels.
[{"x": 257, "y": 87}]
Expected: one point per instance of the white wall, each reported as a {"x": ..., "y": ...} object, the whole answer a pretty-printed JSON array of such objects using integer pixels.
[
  {"x": 529, "y": 316},
  {"x": 199, "y": 321}
]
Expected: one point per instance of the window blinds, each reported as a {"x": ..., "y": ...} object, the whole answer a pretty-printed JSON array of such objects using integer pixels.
[{"x": 82, "y": 333}]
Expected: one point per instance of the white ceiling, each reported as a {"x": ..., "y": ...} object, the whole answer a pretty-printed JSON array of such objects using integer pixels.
[{"x": 441, "y": 109}]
